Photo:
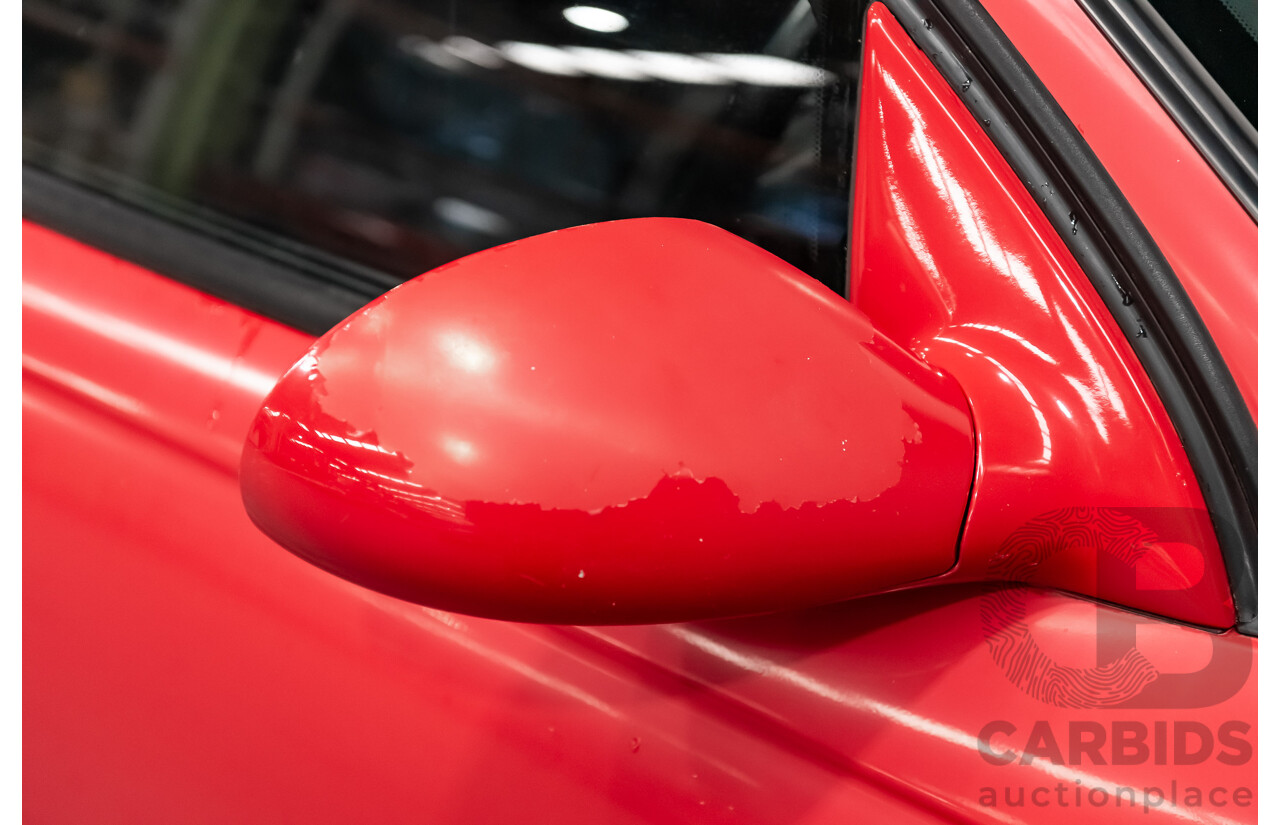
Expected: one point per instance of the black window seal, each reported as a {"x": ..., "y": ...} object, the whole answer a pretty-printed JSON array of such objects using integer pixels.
[
  {"x": 263, "y": 277},
  {"x": 1098, "y": 225},
  {"x": 1211, "y": 121}
]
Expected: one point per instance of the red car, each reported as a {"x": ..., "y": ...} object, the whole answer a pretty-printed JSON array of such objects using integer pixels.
[{"x": 811, "y": 412}]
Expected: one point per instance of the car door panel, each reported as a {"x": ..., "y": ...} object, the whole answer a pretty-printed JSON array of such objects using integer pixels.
[
  {"x": 179, "y": 665},
  {"x": 234, "y": 677}
]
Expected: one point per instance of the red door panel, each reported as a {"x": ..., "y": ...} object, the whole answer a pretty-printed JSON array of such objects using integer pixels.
[
  {"x": 179, "y": 666},
  {"x": 222, "y": 679}
]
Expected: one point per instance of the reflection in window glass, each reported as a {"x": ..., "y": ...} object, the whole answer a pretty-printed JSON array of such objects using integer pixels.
[{"x": 400, "y": 134}]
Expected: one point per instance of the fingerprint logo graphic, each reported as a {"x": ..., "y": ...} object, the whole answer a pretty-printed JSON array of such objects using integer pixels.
[{"x": 1003, "y": 609}]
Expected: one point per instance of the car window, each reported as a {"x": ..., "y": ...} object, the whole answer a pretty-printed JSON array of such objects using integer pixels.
[{"x": 399, "y": 135}]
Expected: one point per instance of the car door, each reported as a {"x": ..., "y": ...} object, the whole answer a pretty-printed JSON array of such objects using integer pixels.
[{"x": 179, "y": 665}]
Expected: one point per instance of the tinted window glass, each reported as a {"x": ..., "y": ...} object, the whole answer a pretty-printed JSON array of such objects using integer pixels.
[{"x": 400, "y": 135}]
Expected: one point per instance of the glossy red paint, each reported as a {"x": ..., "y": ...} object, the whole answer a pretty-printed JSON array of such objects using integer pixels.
[
  {"x": 909, "y": 687},
  {"x": 179, "y": 667},
  {"x": 170, "y": 646},
  {"x": 188, "y": 369},
  {"x": 1207, "y": 237},
  {"x": 616, "y": 423},
  {"x": 954, "y": 261}
]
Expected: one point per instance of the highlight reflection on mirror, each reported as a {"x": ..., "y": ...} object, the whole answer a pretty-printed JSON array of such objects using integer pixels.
[
  {"x": 401, "y": 134},
  {"x": 968, "y": 217},
  {"x": 931, "y": 190}
]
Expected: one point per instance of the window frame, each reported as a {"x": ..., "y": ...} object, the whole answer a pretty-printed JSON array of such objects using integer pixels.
[{"x": 1186, "y": 90}]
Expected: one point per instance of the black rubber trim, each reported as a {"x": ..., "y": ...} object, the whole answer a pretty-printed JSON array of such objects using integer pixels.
[
  {"x": 1195, "y": 101},
  {"x": 1119, "y": 256},
  {"x": 232, "y": 268}
]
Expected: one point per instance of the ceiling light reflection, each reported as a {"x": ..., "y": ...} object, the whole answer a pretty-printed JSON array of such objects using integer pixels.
[
  {"x": 596, "y": 19},
  {"x": 463, "y": 452},
  {"x": 908, "y": 720},
  {"x": 471, "y": 216},
  {"x": 1021, "y": 341},
  {"x": 682, "y": 68},
  {"x": 1004, "y": 374},
  {"x": 705, "y": 69},
  {"x": 965, "y": 208},
  {"x": 608, "y": 63},
  {"x": 466, "y": 353},
  {"x": 211, "y": 363},
  {"x": 434, "y": 53},
  {"x": 541, "y": 58},
  {"x": 473, "y": 51},
  {"x": 767, "y": 70}
]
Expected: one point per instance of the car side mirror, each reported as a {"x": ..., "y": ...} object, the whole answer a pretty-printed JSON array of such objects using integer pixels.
[{"x": 639, "y": 421}]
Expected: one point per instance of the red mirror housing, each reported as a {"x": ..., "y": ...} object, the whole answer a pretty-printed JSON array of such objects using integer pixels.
[{"x": 639, "y": 421}]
